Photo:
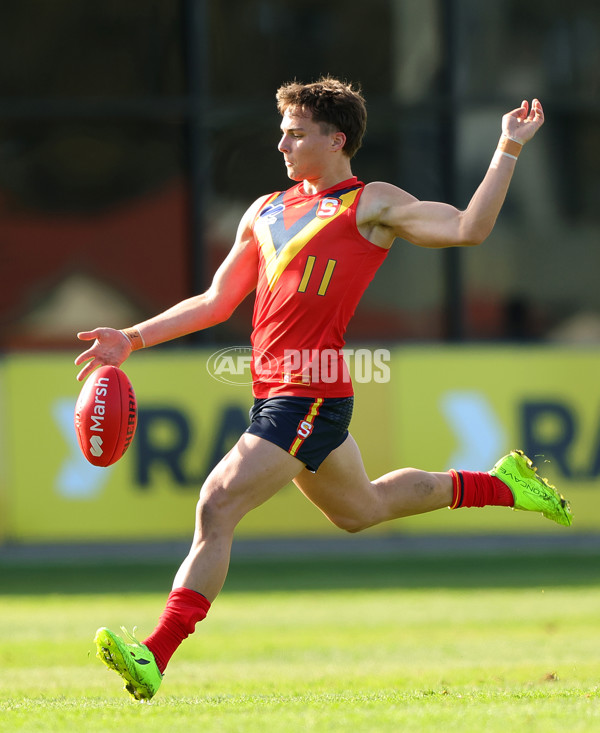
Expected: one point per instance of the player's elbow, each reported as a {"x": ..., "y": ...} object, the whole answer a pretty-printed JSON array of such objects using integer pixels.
[
  {"x": 470, "y": 232},
  {"x": 469, "y": 237},
  {"x": 219, "y": 306},
  {"x": 222, "y": 313},
  {"x": 462, "y": 239},
  {"x": 472, "y": 241}
]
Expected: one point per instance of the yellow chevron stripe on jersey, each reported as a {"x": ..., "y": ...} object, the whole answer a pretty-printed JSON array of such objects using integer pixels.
[{"x": 276, "y": 262}]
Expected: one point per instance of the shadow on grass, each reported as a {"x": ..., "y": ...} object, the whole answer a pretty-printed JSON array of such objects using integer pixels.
[{"x": 508, "y": 570}]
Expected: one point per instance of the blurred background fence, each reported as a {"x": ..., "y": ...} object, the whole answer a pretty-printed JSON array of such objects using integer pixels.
[{"x": 133, "y": 135}]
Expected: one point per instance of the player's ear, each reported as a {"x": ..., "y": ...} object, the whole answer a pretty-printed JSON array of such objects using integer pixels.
[{"x": 338, "y": 140}]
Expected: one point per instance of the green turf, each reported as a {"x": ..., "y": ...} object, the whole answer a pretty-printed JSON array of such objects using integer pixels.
[{"x": 492, "y": 643}]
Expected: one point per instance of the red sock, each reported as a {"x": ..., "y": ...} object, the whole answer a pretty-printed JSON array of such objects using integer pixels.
[
  {"x": 474, "y": 488},
  {"x": 184, "y": 609}
]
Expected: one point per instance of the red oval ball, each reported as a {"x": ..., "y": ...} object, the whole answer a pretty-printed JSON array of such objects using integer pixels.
[{"x": 105, "y": 416}]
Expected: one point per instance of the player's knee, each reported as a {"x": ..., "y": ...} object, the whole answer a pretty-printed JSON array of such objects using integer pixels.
[
  {"x": 205, "y": 515},
  {"x": 213, "y": 509}
]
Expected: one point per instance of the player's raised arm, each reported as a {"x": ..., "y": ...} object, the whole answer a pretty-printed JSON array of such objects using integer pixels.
[
  {"x": 389, "y": 212},
  {"x": 233, "y": 281}
]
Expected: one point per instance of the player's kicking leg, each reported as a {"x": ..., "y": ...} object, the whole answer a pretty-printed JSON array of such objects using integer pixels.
[{"x": 344, "y": 493}]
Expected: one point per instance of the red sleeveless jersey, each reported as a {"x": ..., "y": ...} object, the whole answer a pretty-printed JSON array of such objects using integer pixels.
[{"x": 314, "y": 266}]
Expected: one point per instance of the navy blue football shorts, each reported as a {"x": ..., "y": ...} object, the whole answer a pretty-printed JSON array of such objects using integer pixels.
[{"x": 307, "y": 428}]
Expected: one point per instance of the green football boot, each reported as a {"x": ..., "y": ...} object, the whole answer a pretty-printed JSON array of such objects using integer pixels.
[
  {"x": 133, "y": 661},
  {"x": 532, "y": 493}
]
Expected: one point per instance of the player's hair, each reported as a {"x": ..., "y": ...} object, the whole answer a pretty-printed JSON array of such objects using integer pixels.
[{"x": 329, "y": 101}]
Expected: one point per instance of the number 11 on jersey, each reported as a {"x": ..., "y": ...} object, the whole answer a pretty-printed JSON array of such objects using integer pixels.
[{"x": 325, "y": 280}]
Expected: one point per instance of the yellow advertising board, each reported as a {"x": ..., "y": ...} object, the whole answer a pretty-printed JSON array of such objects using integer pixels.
[
  {"x": 464, "y": 407},
  {"x": 4, "y": 456},
  {"x": 440, "y": 408},
  {"x": 186, "y": 421}
]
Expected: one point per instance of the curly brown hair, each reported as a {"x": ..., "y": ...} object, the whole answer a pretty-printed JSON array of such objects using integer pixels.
[{"x": 331, "y": 102}]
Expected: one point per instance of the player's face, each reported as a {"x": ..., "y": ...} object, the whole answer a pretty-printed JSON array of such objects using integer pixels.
[{"x": 304, "y": 144}]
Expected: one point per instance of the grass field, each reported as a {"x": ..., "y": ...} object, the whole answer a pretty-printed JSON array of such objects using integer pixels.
[{"x": 374, "y": 644}]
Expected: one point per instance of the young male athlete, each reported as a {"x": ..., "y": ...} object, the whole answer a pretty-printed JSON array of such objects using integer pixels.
[{"x": 309, "y": 253}]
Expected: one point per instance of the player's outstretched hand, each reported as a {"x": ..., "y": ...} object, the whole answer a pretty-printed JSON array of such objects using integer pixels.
[
  {"x": 521, "y": 124},
  {"x": 110, "y": 347}
]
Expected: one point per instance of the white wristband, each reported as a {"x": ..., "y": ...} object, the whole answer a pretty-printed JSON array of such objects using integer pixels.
[{"x": 498, "y": 155}]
